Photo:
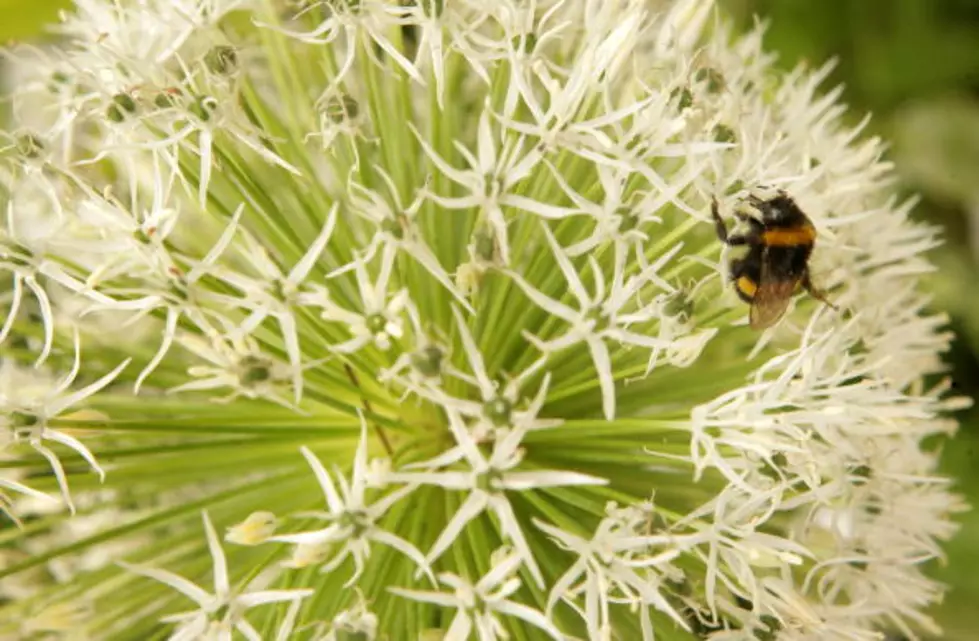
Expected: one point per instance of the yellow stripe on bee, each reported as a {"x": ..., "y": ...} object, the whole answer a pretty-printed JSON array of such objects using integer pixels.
[
  {"x": 804, "y": 235},
  {"x": 746, "y": 286}
]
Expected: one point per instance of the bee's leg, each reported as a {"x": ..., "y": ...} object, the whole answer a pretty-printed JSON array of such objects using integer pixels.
[
  {"x": 719, "y": 225},
  {"x": 818, "y": 294},
  {"x": 749, "y": 238}
]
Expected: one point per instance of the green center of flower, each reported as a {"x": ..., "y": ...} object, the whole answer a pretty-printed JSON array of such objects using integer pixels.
[
  {"x": 341, "y": 108},
  {"x": 203, "y": 107},
  {"x": 282, "y": 290},
  {"x": 428, "y": 361},
  {"x": 254, "y": 370},
  {"x": 30, "y": 146},
  {"x": 712, "y": 78},
  {"x": 484, "y": 245},
  {"x": 24, "y": 420},
  {"x": 492, "y": 187},
  {"x": 357, "y": 520},
  {"x": 59, "y": 80},
  {"x": 395, "y": 226},
  {"x": 683, "y": 97},
  {"x": 525, "y": 43},
  {"x": 376, "y": 323},
  {"x": 222, "y": 60},
  {"x": 122, "y": 105},
  {"x": 167, "y": 98},
  {"x": 599, "y": 317},
  {"x": 486, "y": 481},
  {"x": 723, "y": 133},
  {"x": 498, "y": 411},
  {"x": 679, "y": 304},
  {"x": 628, "y": 219}
]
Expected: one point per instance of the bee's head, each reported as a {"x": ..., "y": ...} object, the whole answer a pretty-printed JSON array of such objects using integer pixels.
[{"x": 779, "y": 209}]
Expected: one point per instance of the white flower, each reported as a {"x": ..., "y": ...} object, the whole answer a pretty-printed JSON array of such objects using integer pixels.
[
  {"x": 30, "y": 403},
  {"x": 150, "y": 32},
  {"x": 616, "y": 221},
  {"x": 493, "y": 172},
  {"x": 357, "y": 621},
  {"x": 736, "y": 549},
  {"x": 135, "y": 234},
  {"x": 397, "y": 231},
  {"x": 175, "y": 292},
  {"x": 479, "y": 606},
  {"x": 201, "y": 116},
  {"x": 606, "y": 41},
  {"x": 619, "y": 564},
  {"x": 432, "y": 18},
  {"x": 496, "y": 412},
  {"x": 600, "y": 317},
  {"x": 224, "y": 610},
  {"x": 338, "y": 119},
  {"x": 425, "y": 363},
  {"x": 379, "y": 323},
  {"x": 353, "y": 522},
  {"x": 370, "y": 18},
  {"x": 487, "y": 480},
  {"x": 526, "y": 34},
  {"x": 275, "y": 294},
  {"x": 27, "y": 238},
  {"x": 236, "y": 364}
]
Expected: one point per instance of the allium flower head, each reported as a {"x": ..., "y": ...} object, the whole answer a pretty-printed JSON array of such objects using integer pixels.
[{"x": 421, "y": 303}]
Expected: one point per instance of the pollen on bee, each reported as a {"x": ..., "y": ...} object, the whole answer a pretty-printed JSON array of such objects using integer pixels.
[{"x": 746, "y": 286}]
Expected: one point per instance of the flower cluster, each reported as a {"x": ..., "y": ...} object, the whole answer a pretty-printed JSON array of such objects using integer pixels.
[{"x": 423, "y": 302}]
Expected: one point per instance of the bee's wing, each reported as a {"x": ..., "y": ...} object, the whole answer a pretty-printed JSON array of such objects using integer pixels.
[{"x": 771, "y": 299}]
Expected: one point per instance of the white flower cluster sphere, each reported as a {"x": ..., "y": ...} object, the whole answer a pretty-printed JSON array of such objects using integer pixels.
[{"x": 422, "y": 302}]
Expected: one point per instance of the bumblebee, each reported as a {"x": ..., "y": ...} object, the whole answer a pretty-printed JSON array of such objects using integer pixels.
[{"x": 779, "y": 240}]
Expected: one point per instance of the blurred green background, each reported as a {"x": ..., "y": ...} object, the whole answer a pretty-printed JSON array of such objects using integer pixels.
[
  {"x": 25, "y": 18},
  {"x": 915, "y": 65}
]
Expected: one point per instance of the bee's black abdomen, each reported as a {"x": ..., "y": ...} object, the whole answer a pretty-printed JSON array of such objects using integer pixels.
[
  {"x": 746, "y": 273},
  {"x": 787, "y": 263}
]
